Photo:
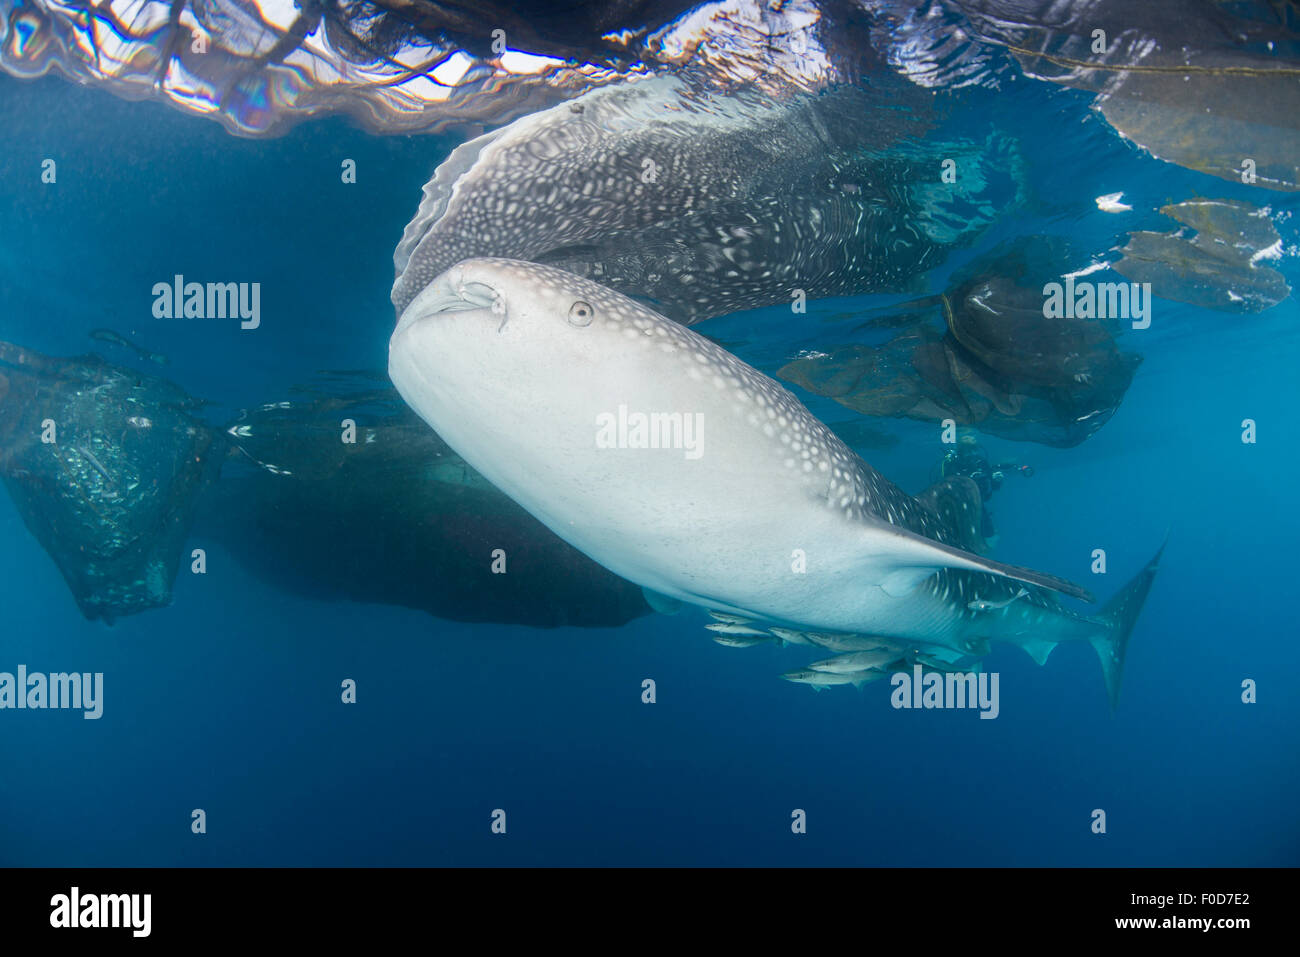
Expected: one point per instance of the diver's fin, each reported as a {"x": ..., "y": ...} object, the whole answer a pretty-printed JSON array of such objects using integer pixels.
[
  {"x": 1119, "y": 616},
  {"x": 661, "y": 603},
  {"x": 919, "y": 557}
]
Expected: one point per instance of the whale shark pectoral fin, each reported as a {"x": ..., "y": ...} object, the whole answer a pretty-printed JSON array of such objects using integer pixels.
[
  {"x": 916, "y": 558},
  {"x": 1040, "y": 649},
  {"x": 661, "y": 603},
  {"x": 899, "y": 583}
]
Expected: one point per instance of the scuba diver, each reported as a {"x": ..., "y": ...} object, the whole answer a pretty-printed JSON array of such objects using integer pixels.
[{"x": 968, "y": 459}]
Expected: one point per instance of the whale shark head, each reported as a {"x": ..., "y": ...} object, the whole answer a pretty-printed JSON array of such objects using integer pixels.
[
  {"x": 519, "y": 363},
  {"x": 499, "y": 342},
  {"x": 513, "y": 307}
]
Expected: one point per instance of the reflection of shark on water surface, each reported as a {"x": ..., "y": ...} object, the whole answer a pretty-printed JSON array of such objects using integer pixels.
[{"x": 517, "y": 389}]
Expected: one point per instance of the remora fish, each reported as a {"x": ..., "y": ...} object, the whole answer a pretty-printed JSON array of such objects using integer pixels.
[
  {"x": 792, "y": 636},
  {"x": 820, "y": 680},
  {"x": 734, "y": 641},
  {"x": 731, "y": 628},
  {"x": 730, "y": 619},
  {"x": 983, "y": 604},
  {"x": 946, "y": 667},
  {"x": 520, "y": 391},
  {"x": 859, "y": 661},
  {"x": 841, "y": 644}
]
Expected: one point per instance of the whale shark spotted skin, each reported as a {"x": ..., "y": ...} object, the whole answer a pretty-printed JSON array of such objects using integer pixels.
[
  {"x": 516, "y": 365},
  {"x": 710, "y": 204}
]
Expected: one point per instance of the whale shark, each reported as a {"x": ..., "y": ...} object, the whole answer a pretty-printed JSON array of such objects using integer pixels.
[
  {"x": 517, "y": 365},
  {"x": 708, "y": 203}
]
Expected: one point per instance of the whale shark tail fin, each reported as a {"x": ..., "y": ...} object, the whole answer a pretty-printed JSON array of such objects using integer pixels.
[{"x": 1119, "y": 616}]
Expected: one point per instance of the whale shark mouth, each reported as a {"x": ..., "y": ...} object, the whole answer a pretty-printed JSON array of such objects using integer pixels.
[
  {"x": 461, "y": 296},
  {"x": 450, "y": 293}
]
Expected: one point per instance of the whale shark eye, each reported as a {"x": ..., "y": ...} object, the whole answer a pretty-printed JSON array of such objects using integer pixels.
[{"x": 581, "y": 313}]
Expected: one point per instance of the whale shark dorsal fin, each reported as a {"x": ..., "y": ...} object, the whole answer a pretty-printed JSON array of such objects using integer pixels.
[
  {"x": 915, "y": 558},
  {"x": 437, "y": 195},
  {"x": 661, "y": 603},
  {"x": 957, "y": 504}
]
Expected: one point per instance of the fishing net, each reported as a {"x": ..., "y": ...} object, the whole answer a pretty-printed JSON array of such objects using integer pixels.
[
  {"x": 104, "y": 464},
  {"x": 387, "y": 513},
  {"x": 983, "y": 355}
]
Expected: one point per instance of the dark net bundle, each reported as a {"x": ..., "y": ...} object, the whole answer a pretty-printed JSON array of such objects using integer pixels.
[
  {"x": 985, "y": 356},
  {"x": 347, "y": 494},
  {"x": 104, "y": 464}
]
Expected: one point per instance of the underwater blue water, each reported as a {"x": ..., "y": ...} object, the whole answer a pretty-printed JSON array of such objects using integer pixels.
[{"x": 228, "y": 699}]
